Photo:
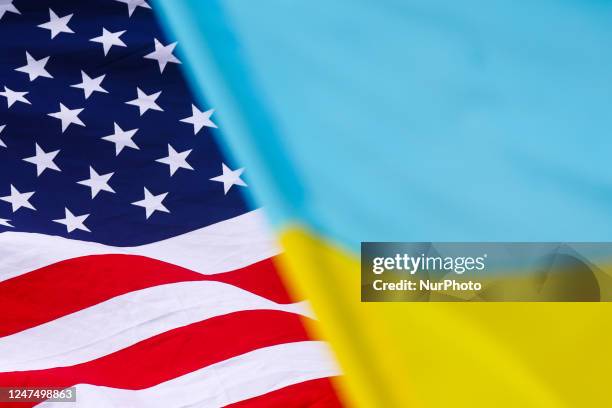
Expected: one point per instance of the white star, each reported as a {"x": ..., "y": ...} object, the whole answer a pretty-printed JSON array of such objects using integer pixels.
[
  {"x": 163, "y": 54},
  {"x": 122, "y": 139},
  {"x": 7, "y": 5},
  {"x": 57, "y": 24},
  {"x": 145, "y": 102},
  {"x": 229, "y": 178},
  {"x": 34, "y": 68},
  {"x": 18, "y": 199},
  {"x": 73, "y": 222},
  {"x": 97, "y": 182},
  {"x": 132, "y": 4},
  {"x": 152, "y": 203},
  {"x": 43, "y": 160},
  {"x": 4, "y": 222},
  {"x": 14, "y": 96},
  {"x": 90, "y": 85},
  {"x": 108, "y": 39},
  {"x": 1, "y": 129},
  {"x": 67, "y": 116},
  {"x": 199, "y": 119},
  {"x": 176, "y": 160}
]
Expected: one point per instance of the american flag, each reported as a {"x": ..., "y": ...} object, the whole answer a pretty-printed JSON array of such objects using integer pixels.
[{"x": 131, "y": 265}]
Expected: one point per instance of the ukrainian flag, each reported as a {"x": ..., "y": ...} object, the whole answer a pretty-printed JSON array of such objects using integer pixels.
[{"x": 423, "y": 120}]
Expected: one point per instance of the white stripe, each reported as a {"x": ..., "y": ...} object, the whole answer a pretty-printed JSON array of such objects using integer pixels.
[
  {"x": 221, "y": 247},
  {"x": 125, "y": 320},
  {"x": 233, "y": 380}
]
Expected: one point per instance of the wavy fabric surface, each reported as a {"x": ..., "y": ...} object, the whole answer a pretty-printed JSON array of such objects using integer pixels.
[{"x": 132, "y": 266}]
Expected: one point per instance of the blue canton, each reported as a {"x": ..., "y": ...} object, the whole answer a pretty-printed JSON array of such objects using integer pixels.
[{"x": 100, "y": 136}]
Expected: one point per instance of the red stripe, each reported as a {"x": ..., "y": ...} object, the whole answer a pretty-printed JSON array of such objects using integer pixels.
[
  {"x": 173, "y": 353},
  {"x": 68, "y": 286},
  {"x": 309, "y": 394}
]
